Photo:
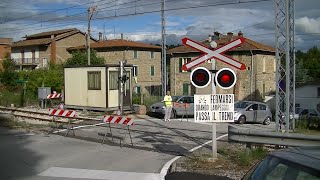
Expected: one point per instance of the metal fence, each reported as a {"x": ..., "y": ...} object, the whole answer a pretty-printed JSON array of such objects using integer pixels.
[{"x": 248, "y": 136}]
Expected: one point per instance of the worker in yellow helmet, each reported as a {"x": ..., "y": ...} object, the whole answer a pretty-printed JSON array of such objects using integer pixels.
[{"x": 167, "y": 106}]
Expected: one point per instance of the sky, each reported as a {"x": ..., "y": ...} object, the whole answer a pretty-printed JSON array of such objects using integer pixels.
[{"x": 140, "y": 20}]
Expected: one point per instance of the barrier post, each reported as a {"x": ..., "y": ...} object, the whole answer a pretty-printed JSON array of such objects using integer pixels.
[{"x": 118, "y": 120}]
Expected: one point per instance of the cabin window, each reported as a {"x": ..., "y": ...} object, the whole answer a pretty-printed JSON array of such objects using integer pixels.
[
  {"x": 113, "y": 80},
  {"x": 94, "y": 80}
]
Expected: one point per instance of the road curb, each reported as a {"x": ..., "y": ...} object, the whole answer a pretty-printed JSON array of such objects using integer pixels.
[{"x": 171, "y": 165}]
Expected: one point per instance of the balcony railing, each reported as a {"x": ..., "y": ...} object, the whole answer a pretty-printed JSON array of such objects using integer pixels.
[{"x": 27, "y": 61}]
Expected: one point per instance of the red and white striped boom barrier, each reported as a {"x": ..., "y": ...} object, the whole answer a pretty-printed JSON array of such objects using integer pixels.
[
  {"x": 54, "y": 96},
  {"x": 62, "y": 113},
  {"x": 118, "y": 120},
  {"x": 70, "y": 114}
]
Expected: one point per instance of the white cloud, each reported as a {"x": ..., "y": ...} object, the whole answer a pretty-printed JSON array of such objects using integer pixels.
[{"x": 308, "y": 25}]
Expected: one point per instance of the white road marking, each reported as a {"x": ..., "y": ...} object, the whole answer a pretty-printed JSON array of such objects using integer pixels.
[
  {"x": 99, "y": 124},
  {"x": 166, "y": 167},
  {"x": 97, "y": 174},
  {"x": 25, "y": 134}
]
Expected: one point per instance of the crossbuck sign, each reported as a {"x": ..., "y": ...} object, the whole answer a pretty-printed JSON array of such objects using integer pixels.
[
  {"x": 214, "y": 108},
  {"x": 217, "y": 54}
]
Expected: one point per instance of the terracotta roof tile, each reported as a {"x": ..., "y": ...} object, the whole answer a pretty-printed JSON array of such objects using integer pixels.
[
  {"x": 117, "y": 43},
  {"x": 246, "y": 46},
  {"x": 45, "y": 37},
  {"x": 32, "y": 42},
  {"x": 49, "y": 33}
]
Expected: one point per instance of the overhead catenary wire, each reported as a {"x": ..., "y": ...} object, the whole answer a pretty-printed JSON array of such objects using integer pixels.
[{"x": 156, "y": 11}]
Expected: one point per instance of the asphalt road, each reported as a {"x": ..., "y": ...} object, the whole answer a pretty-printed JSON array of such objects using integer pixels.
[{"x": 38, "y": 156}]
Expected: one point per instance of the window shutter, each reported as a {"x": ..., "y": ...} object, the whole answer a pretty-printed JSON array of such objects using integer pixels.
[
  {"x": 180, "y": 64},
  {"x": 188, "y": 60}
]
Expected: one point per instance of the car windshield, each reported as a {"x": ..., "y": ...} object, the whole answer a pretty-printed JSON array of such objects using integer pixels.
[
  {"x": 175, "y": 98},
  {"x": 241, "y": 104}
]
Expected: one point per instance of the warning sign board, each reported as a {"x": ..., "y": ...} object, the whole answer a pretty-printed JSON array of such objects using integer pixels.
[{"x": 214, "y": 108}]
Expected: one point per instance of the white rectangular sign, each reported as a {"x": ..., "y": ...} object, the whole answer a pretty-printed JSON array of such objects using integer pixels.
[{"x": 214, "y": 108}]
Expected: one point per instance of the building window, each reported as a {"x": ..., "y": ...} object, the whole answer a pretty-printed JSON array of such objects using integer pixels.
[
  {"x": 94, "y": 80},
  {"x": 185, "y": 89},
  {"x": 183, "y": 61},
  {"x": 152, "y": 55},
  {"x": 137, "y": 90},
  {"x": 113, "y": 80},
  {"x": 135, "y": 70},
  {"x": 135, "y": 54},
  {"x": 152, "y": 71},
  {"x": 318, "y": 92},
  {"x": 152, "y": 90},
  {"x": 33, "y": 55},
  {"x": 22, "y": 57},
  {"x": 44, "y": 62}
]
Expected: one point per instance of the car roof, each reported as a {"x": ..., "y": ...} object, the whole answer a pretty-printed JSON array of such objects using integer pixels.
[
  {"x": 306, "y": 156},
  {"x": 256, "y": 102}
]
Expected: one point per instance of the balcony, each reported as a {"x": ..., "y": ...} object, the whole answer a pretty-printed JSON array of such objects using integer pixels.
[{"x": 27, "y": 61}]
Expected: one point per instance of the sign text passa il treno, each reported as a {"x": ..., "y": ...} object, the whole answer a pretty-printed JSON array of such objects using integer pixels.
[{"x": 214, "y": 108}]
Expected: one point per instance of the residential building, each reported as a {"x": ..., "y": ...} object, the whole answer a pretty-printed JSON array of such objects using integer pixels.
[
  {"x": 38, "y": 50},
  {"x": 145, "y": 58},
  {"x": 5, "y": 48},
  {"x": 253, "y": 83},
  {"x": 308, "y": 96}
]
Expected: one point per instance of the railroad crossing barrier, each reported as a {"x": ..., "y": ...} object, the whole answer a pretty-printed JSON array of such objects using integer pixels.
[
  {"x": 54, "y": 97},
  {"x": 183, "y": 105},
  {"x": 71, "y": 115},
  {"x": 248, "y": 136},
  {"x": 118, "y": 120}
]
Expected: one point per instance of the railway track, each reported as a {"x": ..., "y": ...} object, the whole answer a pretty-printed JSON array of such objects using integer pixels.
[{"x": 44, "y": 116}]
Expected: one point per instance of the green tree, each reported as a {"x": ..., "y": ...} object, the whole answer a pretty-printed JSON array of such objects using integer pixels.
[
  {"x": 308, "y": 65},
  {"x": 312, "y": 62},
  {"x": 8, "y": 75},
  {"x": 81, "y": 58}
]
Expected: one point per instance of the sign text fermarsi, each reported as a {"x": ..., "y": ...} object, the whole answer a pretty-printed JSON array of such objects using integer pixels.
[{"x": 214, "y": 108}]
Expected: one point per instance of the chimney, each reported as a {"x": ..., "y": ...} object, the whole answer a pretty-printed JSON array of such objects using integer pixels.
[
  {"x": 53, "y": 50},
  {"x": 100, "y": 36},
  {"x": 230, "y": 36},
  {"x": 240, "y": 34},
  {"x": 121, "y": 36}
]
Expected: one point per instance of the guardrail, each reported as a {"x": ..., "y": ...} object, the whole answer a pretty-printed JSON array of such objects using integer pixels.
[{"x": 248, "y": 136}]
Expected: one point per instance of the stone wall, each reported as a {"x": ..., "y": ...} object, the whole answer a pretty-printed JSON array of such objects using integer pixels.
[{"x": 144, "y": 63}]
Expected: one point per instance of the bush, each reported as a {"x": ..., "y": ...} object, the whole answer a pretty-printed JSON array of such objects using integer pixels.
[{"x": 136, "y": 98}]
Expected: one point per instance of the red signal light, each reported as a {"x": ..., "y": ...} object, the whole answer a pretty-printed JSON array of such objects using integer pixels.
[
  {"x": 200, "y": 77},
  {"x": 225, "y": 78}
]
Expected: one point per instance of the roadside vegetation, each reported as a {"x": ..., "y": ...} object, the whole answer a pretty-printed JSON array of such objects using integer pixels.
[
  {"x": 309, "y": 126},
  {"x": 234, "y": 160}
]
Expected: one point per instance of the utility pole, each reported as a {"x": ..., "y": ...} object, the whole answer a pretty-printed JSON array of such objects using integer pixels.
[
  {"x": 285, "y": 58},
  {"x": 163, "y": 47},
  {"x": 122, "y": 82},
  {"x": 90, "y": 13}
]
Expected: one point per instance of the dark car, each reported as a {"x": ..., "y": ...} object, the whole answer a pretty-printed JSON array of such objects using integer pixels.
[{"x": 288, "y": 164}]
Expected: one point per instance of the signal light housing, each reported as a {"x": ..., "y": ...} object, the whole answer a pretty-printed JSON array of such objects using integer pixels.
[
  {"x": 225, "y": 78},
  {"x": 200, "y": 77}
]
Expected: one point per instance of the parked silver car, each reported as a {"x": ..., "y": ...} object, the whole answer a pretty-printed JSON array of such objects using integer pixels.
[
  {"x": 182, "y": 106},
  {"x": 252, "y": 111}
]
